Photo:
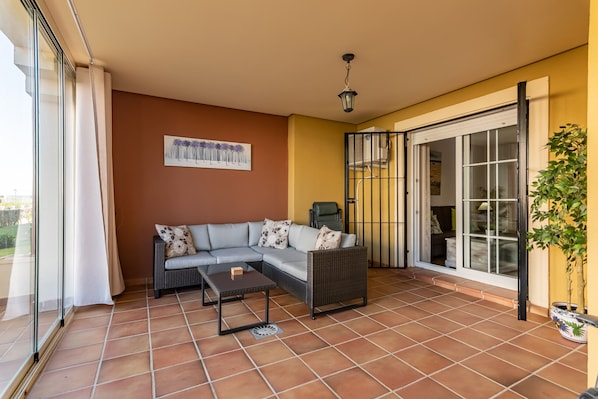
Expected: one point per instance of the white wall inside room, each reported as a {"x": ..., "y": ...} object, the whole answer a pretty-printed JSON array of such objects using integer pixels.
[{"x": 447, "y": 180}]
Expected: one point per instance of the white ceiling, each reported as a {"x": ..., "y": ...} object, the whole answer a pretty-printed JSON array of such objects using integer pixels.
[{"x": 283, "y": 57}]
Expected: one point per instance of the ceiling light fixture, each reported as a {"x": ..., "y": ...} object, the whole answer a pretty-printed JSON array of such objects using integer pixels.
[{"x": 347, "y": 96}]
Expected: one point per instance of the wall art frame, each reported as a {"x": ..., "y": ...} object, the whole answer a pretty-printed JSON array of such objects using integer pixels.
[{"x": 202, "y": 153}]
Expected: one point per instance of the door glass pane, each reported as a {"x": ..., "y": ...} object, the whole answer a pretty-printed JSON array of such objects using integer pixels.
[
  {"x": 478, "y": 149},
  {"x": 49, "y": 216},
  {"x": 507, "y": 186},
  {"x": 490, "y": 201},
  {"x": 69, "y": 150},
  {"x": 17, "y": 255},
  {"x": 436, "y": 208}
]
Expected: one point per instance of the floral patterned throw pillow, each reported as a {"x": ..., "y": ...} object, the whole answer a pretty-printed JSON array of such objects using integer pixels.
[
  {"x": 275, "y": 234},
  {"x": 178, "y": 240},
  {"x": 328, "y": 239}
]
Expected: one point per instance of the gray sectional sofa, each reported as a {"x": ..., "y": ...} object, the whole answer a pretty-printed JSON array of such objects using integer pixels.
[{"x": 317, "y": 277}]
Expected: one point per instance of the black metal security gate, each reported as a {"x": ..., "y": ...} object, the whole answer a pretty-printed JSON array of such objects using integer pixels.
[{"x": 375, "y": 195}]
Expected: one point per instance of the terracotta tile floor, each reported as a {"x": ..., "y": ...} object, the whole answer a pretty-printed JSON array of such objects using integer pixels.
[{"x": 415, "y": 339}]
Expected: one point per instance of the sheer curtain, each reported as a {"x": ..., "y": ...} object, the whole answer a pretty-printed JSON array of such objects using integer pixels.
[{"x": 98, "y": 275}]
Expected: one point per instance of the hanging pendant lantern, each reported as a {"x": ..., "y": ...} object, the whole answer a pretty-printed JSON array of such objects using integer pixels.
[{"x": 347, "y": 96}]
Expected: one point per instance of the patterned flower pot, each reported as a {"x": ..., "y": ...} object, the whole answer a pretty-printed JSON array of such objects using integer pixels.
[{"x": 567, "y": 324}]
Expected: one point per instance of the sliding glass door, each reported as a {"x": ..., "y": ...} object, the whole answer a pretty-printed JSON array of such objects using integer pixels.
[
  {"x": 466, "y": 197},
  {"x": 36, "y": 113},
  {"x": 49, "y": 216},
  {"x": 17, "y": 183}
]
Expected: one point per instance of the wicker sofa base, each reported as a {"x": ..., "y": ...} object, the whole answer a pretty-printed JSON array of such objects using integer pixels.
[
  {"x": 334, "y": 277},
  {"x": 179, "y": 278}
]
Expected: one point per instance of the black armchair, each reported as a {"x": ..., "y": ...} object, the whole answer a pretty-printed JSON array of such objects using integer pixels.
[{"x": 326, "y": 213}]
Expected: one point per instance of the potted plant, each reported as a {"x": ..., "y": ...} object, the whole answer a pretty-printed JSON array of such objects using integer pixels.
[{"x": 559, "y": 205}]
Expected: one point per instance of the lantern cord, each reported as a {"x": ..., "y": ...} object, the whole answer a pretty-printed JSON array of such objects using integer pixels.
[{"x": 347, "y": 76}]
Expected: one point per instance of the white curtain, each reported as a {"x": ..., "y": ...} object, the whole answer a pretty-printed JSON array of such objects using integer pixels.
[
  {"x": 98, "y": 275},
  {"x": 424, "y": 203}
]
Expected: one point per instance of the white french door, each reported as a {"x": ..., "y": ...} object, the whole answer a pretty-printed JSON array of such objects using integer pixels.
[{"x": 482, "y": 191}]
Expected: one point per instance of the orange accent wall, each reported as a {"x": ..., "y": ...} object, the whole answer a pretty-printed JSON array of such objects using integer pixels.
[{"x": 147, "y": 192}]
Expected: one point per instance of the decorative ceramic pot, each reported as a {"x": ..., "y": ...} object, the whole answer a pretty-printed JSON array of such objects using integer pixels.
[{"x": 567, "y": 323}]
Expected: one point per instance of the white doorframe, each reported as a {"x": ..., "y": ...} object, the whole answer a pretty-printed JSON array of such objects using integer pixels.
[{"x": 538, "y": 96}]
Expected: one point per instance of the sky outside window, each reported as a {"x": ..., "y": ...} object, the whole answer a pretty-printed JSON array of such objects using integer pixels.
[{"x": 16, "y": 146}]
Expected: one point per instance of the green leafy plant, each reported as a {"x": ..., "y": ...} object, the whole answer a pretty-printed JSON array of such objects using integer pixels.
[{"x": 559, "y": 204}]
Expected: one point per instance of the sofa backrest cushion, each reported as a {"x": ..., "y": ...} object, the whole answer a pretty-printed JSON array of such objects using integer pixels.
[
  {"x": 294, "y": 234},
  {"x": 348, "y": 240},
  {"x": 229, "y": 235},
  {"x": 255, "y": 231},
  {"x": 201, "y": 238},
  {"x": 303, "y": 238}
]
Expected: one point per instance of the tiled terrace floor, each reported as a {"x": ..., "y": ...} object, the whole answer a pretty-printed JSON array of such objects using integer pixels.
[{"x": 412, "y": 340}]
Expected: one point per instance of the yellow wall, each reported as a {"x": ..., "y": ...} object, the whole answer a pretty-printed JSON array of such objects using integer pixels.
[
  {"x": 316, "y": 164},
  {"x": 592, "y": 192},
  {"x": 567, "y": 74},
  {"x": 573, "y": 91},
  {"x": 316, "y": 146},
  {"x": 568, "y": 79}
]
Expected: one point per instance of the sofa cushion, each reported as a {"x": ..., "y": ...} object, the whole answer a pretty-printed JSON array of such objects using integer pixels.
[
  {"x": 240, "y": 254},
  {"x": 178, "y": 240},
  {"x": 201, "y": 238},
  {"x": 266, "y": 250},
  {"x": 296, "y": 269},
  {"x": 294, "y": 231},
  {"x": 185, "y": 262},
  {"x": 348, "y": 240},
  {"x": 275, "y": 234},
  {"x": 277, "y": 257},
  {"x": 255, "y": 231},
  {"x": 303, "y": 238},
  {"x": 328, "y": 239},
  {"x": 228, "y": 235}
]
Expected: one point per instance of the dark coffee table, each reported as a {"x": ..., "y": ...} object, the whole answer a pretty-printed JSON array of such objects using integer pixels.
[{"x": 230, "y": 289}]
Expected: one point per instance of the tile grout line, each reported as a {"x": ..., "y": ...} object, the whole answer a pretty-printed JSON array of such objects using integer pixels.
[
  {"x": 498, "y": 317},
  {"x": 529, "y": 373},
  {"x": 453, "y": 362},
  {"x": 300, "y": 358},
  {"x": 415, "y": 344},
  {"x": 388, "y": 353},
  {"x": 394, "y": 354},
  {"x": 259, "y": 369},
  {"x": 551, "y": 361},
  {"x": 431, "y": 375},
  {"x": 101, "y": 359},
  {"x": 149, "y": 339},
  {"x": 196, "y": 346}
]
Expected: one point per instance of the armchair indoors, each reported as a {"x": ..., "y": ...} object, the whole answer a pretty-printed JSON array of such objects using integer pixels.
[{"x": 326, "y": 213}]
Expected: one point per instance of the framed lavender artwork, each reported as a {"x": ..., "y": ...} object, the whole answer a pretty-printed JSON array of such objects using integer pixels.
[{"x": 202, "y": 153}]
